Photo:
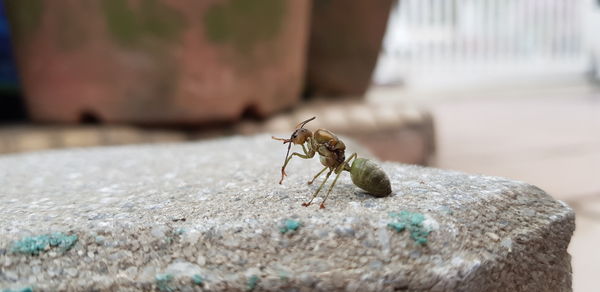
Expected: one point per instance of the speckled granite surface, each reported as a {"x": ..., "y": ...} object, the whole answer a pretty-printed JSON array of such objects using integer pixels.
[{"x": 211, "y": 216}]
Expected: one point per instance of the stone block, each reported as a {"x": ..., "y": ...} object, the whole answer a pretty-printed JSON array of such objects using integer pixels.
[
  {"x": 79, "y": 136},
  {"x": 211, "y": 215},
  {"x": 25, "y": 138},
  {"x": 31, "y": 140}
]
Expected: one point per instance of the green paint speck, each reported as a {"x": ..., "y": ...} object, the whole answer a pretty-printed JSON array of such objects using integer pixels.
[
  {"x": 33, "y": 245},
  {"x": 399, "y": 227},
  {"x": 163, "y": 281},
  {"x": 252, "y": 282},
  {"x": 197, "y": 279},
  {"x": 289, "y": 225},
  {"x": 413, "y": 222},
  {"x": 26, "y": 289}
]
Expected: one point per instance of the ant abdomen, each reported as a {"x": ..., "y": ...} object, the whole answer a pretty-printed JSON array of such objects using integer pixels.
[{"x": 368, "y": 176}]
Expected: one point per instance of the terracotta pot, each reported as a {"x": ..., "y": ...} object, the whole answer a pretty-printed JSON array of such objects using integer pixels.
[
  {"x": 345, "y": 41},
  {"x": 159, "y": 61}
]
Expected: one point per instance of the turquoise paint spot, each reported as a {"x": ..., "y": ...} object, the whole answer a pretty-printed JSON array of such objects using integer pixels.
[
  {"x": 163, "y": 281},
  {"x": 33, "y": 245},
  {"x": 26, "y": 289},
  {"x": 180, "y": 231},
  {"x": 197, "y": 279},
  {"x": 252, "y": 282},
  {"x": 289, "y": 225},
  {"x": 399, "y": 227},
  {"x": 413, "y": 222},
  {"x": 421, "y": 240}
]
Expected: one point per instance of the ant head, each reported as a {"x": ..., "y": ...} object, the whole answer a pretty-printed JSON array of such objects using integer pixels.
[{"x": 300, "y": 135}]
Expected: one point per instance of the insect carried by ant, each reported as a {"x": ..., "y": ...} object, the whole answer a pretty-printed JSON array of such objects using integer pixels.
[{"x": 365, "y": 173}]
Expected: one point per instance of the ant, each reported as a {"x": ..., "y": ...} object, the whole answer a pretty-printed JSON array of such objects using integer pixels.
[{"x": 365, "y": 173}]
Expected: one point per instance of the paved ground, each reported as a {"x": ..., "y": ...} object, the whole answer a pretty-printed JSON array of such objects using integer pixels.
[
  {"x": 175, "y": 217},
  {"x": 548, "y": 136}
]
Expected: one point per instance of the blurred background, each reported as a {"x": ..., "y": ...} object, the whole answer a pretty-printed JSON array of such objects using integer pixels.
[{"x": 498, "y": 87}]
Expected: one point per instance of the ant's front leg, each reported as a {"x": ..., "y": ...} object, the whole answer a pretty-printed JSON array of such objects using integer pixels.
[
  {"x": 307, "y": 155},
  {"x": 283, "y": 174}
]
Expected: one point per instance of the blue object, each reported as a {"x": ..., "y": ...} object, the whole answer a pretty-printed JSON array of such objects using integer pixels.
[{"x": 9, "y": 79}]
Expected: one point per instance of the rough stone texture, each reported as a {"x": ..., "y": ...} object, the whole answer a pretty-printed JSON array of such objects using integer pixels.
[{"x": 210, "y": 216}]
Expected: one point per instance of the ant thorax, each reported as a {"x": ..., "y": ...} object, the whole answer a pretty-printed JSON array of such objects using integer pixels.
[
  {"x": 323, "y": 136},
  {"x": 330, "y": 148}
]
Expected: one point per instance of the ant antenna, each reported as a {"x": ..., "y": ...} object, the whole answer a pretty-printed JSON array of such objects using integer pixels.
[
  {"x": 301, "y": 124},
  {"x": 298, "y": 126}
]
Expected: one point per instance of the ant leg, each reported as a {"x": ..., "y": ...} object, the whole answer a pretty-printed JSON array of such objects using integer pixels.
[
  {"x": 307, "y": 155},
  {"x": 338, "y": 171},
  {"x": 320, "y": 172},
  {"x": 318, "y": 190},
  {"x": 306, "y": 152},
  {"x": 288, "y": 160}
]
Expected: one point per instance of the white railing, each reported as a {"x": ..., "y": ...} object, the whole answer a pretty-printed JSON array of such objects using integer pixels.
[{"x": 437, "y": 41}]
